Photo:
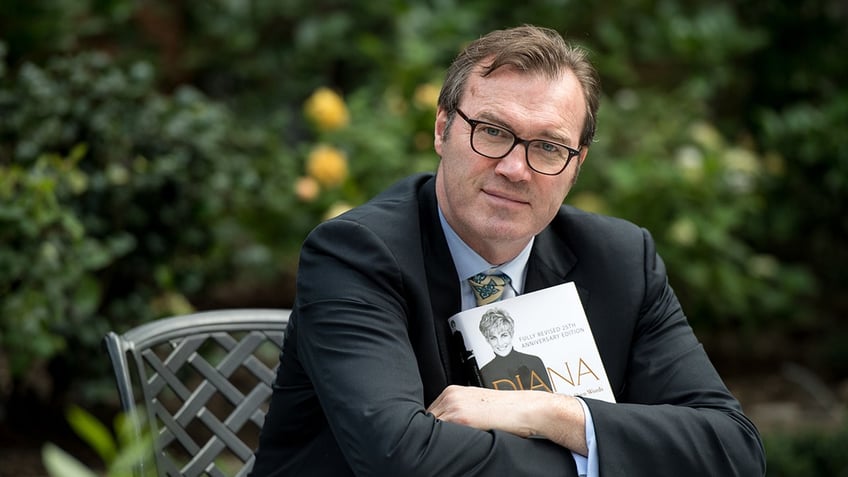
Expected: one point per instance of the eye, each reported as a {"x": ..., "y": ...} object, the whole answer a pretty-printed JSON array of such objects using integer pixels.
[
  {"x": 548, "y": 147},
  {"x": 493, "y": 131}
]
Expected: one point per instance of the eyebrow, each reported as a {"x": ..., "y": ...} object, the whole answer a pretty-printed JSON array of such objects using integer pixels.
[{"x": 489, "y": 118}]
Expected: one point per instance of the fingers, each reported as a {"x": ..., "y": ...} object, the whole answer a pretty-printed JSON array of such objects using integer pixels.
[{"x": 437, "y": 407}]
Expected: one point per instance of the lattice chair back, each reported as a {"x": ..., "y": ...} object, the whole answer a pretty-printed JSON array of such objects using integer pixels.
[{"x": 204, "y": 381}]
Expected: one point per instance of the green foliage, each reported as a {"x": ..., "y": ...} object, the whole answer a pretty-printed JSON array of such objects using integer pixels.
[
  {"x": 123, "y": 455},
  {"x": 133, "y": 182},
  {"x": 59, "y": 463},
  {"x": 807, "y": 131},
  {"x": 47, "y": 261},
  {"x": 117, "y": 201},
  {"x": 807, "y": 453},
  {"x": 658, "y": 164}
]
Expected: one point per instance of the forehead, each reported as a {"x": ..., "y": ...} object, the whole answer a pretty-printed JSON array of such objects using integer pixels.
[
  {"x": 498, "y": 329},
  {"x": 531, "y": 104}
]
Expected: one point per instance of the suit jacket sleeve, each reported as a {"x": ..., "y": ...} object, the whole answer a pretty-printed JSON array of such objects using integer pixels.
[
  {"x": 675, "y": 416},
  {"x": 354, "y": 305}
]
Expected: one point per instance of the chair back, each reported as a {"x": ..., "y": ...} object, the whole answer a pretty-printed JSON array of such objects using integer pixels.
[{"x": 203, "y": 381}]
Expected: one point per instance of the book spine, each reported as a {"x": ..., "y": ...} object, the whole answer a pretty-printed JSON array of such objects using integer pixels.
[
  {"x": 473, "y": 371},
  {"x": 469, "y": 362}
]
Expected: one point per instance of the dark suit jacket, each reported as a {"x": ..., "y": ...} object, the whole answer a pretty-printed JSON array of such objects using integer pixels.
[{"x": 368, "y": 350}]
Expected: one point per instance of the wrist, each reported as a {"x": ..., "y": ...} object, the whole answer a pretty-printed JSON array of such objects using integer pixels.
[{"x": 561, "y": 420}]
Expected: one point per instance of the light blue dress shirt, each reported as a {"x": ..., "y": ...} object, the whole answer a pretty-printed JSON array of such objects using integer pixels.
[{"x": 469, "y": 263}]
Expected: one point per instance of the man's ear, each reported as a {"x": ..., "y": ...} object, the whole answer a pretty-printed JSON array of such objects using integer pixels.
[
  {"x": 584, "y": 151},
  {"x": 439, "y": 129}
]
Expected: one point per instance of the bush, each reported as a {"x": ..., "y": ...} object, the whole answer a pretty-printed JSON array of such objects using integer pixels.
[
  {"x": 134, "y": 183},
  {"x": 129, "y": 202},
  {"x": 118, "y": 202},
  {"x": 658, "y": 163},
  {"x": 810, "y": 452}
]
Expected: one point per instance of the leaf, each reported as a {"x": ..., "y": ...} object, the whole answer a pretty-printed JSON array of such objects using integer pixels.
[
  {"x": 78, "y": 152},
  {"x": 61, "y": 464},
  {"x": 136, "y": 446},
  {"x": 93, "y": 432},
  {"x": 133, "y": 457}
]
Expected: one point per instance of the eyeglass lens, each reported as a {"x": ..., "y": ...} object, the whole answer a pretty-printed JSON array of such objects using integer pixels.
[{"x": 496, "y": 142}]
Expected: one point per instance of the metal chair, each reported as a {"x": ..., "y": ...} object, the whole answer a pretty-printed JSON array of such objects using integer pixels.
[{"x": 202, "y": 378}]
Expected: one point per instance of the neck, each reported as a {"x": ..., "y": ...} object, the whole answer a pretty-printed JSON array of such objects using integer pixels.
[{"x": 496, "y": 253}]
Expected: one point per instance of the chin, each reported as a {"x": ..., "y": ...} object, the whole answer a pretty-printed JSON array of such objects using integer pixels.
[{"x": 505, "y": 228}]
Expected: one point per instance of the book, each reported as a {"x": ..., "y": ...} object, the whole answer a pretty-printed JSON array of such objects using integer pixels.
[{"x": 536, "y": 341}]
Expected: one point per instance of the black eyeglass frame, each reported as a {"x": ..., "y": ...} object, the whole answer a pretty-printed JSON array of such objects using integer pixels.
[{"x": 525, "y": 142}]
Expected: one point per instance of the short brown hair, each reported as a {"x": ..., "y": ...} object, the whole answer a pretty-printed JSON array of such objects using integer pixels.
[{"x": 530, "y": 49}]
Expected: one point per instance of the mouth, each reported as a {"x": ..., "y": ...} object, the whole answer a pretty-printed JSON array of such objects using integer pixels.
[{"x": 505, "y": 197}]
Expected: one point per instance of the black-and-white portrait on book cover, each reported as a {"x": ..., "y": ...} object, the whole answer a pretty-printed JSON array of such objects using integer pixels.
[{"x": 509, "y": 369}]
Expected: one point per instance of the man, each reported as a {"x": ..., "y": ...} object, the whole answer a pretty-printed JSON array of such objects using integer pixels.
[
  {"x": 509, "y": 369},
  {"x": 369, "y": 382}
]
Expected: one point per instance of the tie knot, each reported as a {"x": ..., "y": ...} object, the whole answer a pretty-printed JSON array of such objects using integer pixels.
[{"x": 489, "y": 287}]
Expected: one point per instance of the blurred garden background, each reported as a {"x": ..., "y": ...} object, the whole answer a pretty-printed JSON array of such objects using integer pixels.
[{"x": 159, "y": 157}]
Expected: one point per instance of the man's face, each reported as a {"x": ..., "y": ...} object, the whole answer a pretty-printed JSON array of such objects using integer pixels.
[
  {"x": 500, "y": 339},
  {"x": 497, "y": 205}
]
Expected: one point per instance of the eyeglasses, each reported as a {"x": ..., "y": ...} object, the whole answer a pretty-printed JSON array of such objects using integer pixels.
[{"x": 495, "y": 142}]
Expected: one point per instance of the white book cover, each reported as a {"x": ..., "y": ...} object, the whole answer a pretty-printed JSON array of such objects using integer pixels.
[{"x": 539, "y": 340}]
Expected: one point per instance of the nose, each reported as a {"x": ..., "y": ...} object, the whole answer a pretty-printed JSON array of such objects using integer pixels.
[{"x": 514, "y": 166}]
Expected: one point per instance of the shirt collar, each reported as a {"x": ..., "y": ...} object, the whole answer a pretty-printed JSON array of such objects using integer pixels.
[{"x": 468, "y": 262}]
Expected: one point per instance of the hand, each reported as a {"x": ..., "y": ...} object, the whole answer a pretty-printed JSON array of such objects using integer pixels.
[{"x": 556, "y": 417}]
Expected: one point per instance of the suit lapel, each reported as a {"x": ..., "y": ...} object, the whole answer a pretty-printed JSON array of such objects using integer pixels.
[
  {"x": 442, "y": 280},
  {"x": 550, "y": 262}
]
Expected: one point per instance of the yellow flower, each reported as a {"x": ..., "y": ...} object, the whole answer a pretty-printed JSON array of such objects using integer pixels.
[
  {"x": 326, "y": 109},
  {"x": 742, "y": 160},
  {"x": 327, "y": 165},
  {"x": 337, "y": 209},
  {"x": 706, "y": 135},
  {"x": 683, "y": 232},
  {"x": 306, "y": 189},
  {"x": 742, "y": 168},
  {"x": 690, "y": 161},
  {"x": 427, "y": 96},
  {"x": 763, "y": 266},
  {"x": 117, "y": 174},
  {"x": 171, "y": 303}
]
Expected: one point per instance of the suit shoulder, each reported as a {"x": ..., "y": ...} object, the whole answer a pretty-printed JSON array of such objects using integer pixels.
[
  {"x": 576, "y": 221},
  {"x": 599, "y": 238},
  {"x": 396, "y": 200},
  {"x": 388, "y": 214}
]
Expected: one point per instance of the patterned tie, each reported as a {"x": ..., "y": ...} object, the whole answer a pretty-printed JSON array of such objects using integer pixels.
[{"x": 488, "y": 288}]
